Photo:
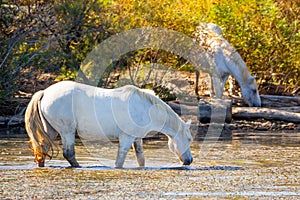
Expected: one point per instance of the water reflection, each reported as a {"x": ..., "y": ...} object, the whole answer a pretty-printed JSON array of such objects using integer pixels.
[{"x": 270, "y": 139}]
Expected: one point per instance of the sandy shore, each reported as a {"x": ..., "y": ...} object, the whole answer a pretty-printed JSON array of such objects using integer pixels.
[{"x": 211, "y": 182}]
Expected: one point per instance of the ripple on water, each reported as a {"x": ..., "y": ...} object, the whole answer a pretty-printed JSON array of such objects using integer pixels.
[{"x": 245, "y": 150}]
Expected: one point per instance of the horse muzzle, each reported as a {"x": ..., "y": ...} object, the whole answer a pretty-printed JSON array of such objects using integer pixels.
[
  {"x": 186, "y": 158},
  {"x": 41, "y": 163},
  {"x": 188, "y": 161}
]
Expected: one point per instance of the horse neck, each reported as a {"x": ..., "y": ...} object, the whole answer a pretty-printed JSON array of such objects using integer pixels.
[
  {"x": 173, "y": 124},
  {"x": 239, "y": 71}
]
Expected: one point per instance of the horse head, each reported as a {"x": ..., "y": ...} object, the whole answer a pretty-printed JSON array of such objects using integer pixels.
[
  {"x": 250, "y": 93},
  {"x": 180, "y": 144}
]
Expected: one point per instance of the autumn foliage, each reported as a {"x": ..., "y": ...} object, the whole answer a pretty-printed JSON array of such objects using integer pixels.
[{"x": 55, "y": 36}]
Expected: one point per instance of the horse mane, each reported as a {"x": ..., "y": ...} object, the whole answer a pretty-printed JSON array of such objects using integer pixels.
[
  {"x": 40, "y": 141},
  {"x": 147, "y": 94},
  {"x": 236, "y": 58}
]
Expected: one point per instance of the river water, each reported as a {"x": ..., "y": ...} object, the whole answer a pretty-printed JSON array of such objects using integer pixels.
[{"x": 254, "y": 165}]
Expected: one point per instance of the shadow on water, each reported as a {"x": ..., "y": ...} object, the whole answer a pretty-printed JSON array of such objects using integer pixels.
[
  {"x": 186, "y": 168},
  {"x": 179, "y": 168}
]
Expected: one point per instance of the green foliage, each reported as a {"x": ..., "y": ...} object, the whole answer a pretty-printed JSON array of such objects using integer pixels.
[
  {"x": 164, "y": 93},
  {"x": 265, "y": 32},
  {"x": 268, "y": 43},
  {"x": 67, "y": 74},
  {"x": 55, "y": 36}
]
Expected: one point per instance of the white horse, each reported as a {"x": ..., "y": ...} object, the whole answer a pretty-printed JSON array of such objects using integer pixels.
[
  {"x": 126, "y": 113},
  {"x": 228, "y": 62}
]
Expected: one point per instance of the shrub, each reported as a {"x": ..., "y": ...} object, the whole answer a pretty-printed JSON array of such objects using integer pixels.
[
  {"x": 266, "y": 33},
  {"x": 57, "y": 35}
]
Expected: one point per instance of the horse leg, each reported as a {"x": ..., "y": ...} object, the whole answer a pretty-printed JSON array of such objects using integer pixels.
[
  {"x": 138, "y": 148},
  {"x": 125, "y": 142},
  {"x": 231, "y": 85},
  {"x": 197, "y": 84},
  {"x": 68, "y": 141},
  {"x": 217, "y": 86}
]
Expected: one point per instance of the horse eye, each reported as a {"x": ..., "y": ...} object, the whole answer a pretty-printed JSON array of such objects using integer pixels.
[{"x": 254, "y": 91}]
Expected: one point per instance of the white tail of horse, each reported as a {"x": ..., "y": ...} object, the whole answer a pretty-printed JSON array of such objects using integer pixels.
[
  {"x": 227, "y": 62},
  {"x": 40, "y": 132}
]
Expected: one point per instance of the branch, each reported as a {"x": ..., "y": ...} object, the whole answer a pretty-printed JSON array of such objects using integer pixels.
[
  {"x": 36, "y": 53},
  {"x": 9, "y": 51}
]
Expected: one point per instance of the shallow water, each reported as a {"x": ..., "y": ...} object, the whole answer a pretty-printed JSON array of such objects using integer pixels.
[
  {"x": 255, "y": 149},
  {"x": 251, "y": 165},
  {"x": 251, "y": 149}
]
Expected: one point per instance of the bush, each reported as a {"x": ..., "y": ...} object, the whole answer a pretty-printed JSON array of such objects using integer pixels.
[
  {"x": 266, "y": 33},
  {"x": 267, "y": 39},
  {"x": 52, "y": 36},
  {"x": 56, "y": 36}
]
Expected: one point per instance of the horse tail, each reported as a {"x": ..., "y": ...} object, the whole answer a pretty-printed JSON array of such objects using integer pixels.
[{"x": 40, "y": 132}]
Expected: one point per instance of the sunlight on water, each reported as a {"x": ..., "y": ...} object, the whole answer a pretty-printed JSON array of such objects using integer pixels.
[{"x": 245, "y": 149}]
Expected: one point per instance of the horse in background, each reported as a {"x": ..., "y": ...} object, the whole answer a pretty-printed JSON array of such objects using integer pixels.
[
  {"x": 227, "y": 62},
  {"x": 126, "y": 113}
]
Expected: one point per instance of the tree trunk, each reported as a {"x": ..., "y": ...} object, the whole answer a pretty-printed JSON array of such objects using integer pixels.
[
  {"x": 204, "y": 111},
  {"x": 271, "y": 101},
  {"x": 266, "y": 113},
  {"x": 216, "y": 110}
]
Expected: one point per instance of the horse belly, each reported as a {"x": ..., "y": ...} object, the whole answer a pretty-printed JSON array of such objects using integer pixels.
[
  {"x": 96, "y": 121},
  {"x": 96, "y": 129}
]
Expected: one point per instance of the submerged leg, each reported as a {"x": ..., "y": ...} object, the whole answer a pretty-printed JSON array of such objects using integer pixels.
[
  {"x": 125, "y": 142},
  {"x": 138, "y": 148},
  {"x": 68, "y": 141}
]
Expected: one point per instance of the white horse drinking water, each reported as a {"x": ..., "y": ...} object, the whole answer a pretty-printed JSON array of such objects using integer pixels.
[
  {"x": 228, "y": 62},
  {"x": 126, "y": 113}
]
